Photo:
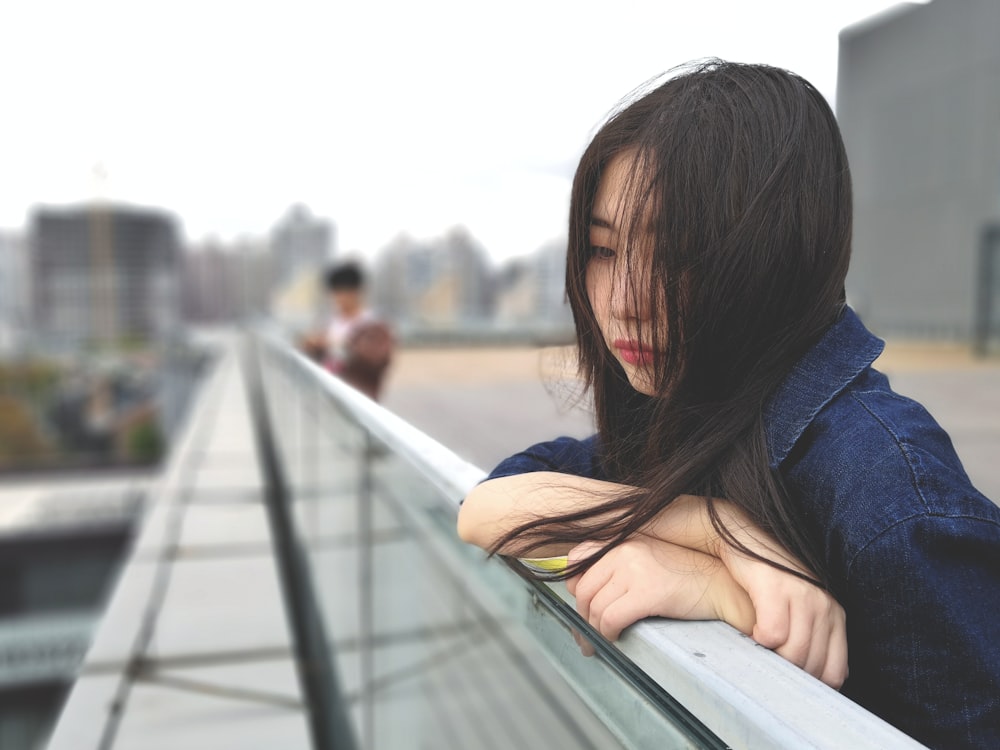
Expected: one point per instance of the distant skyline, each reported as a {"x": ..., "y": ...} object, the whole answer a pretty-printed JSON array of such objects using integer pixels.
[{"x": 383, "y": 117}]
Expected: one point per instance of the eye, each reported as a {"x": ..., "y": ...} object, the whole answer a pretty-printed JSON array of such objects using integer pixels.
[{"x": 599, "y": 252}]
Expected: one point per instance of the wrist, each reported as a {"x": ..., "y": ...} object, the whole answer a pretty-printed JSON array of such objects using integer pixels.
[
  {"x": 736, "y": 525},
  {"x": 732, "y": 604},
  {"x": 686, "y": 523}
]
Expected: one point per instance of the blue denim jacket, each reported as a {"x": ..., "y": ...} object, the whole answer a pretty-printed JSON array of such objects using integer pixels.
[{"x": 911, "y": 547}]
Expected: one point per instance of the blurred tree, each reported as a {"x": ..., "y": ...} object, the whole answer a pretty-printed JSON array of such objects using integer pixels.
[
  {"x": 21, "y": 443},
  {"x": 30, "y": 380},
  {"x": 144, "y": 443}
]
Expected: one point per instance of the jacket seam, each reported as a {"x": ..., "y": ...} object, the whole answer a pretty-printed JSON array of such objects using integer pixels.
[
  {"x": 899, "y": 522},
  {"x": 903, "y": 450}
]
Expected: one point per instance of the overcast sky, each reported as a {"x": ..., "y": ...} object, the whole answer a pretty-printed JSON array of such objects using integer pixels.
[{"x": 382, "y": 116}]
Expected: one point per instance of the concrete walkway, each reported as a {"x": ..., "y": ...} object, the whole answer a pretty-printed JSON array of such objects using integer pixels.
[
  {"x": 193, "y": 650},
  {"x": 489, "y": 403}
]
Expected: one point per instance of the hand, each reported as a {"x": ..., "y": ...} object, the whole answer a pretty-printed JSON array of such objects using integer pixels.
[
  {"x": 645, "y": 576},
  {"x": 797, "y": 619}
]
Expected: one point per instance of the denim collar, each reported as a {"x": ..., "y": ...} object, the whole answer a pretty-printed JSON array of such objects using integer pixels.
[{"x": 841, "y": 355}]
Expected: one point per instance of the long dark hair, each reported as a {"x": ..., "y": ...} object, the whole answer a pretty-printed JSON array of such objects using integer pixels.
[{"x": 742, "y": 187}]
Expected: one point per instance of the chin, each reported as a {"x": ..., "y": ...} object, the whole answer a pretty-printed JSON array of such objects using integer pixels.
[{"x": 641, "y": 385}]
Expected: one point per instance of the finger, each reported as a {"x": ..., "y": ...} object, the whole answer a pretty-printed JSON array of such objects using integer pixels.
[
  {"x": 622, "y": 612},
  {"x": 580, "y": 552},
  {"x": 795, "y": 650},
  {"x": 771, "y": 629},
  {"x": 819, "y": 648},
  {"x": 590, "y": 583},
  {"x": 601, "y": 600},
  {"x": 821, "y": 632},
  {"x": 835, "y": 671},
  {"x": 571, "y": 584},
  {"x": 797, "y": 646}
]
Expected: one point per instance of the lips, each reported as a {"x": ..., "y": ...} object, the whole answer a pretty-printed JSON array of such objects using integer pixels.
[{"x": 633, "y": 352}]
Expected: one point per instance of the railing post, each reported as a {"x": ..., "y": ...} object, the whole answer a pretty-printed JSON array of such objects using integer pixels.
[
  {"x": 989, "y": 248},
  {"x": 310, "y": 418},
  {"x": 366, "y": 586},
  {"x": 329, "y": 725}
]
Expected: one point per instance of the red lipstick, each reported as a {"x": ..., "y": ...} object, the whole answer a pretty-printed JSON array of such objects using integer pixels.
[{"x": 633, "y": 352}]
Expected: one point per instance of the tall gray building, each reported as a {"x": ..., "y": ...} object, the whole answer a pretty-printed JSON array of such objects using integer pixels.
[
  {"x": 302, "y": 244},
  {"x": 918, "y": 100},
  {"x": 13, "y": 292},
  {"x": 442, "y": 282},
  {"x": 103, "y": 275},
  {"x": 532, "y": 290},
  {"x": 223, "y": 283}
]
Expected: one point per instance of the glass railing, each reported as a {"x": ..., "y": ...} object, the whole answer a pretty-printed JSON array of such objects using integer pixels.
[{"x": 423, "y": 642}]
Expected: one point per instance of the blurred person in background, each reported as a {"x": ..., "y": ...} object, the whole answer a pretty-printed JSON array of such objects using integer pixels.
[{"x": 355, "y": 345}]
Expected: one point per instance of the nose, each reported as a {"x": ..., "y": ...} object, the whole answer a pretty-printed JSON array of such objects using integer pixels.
[{"x": 630, "y": 291}]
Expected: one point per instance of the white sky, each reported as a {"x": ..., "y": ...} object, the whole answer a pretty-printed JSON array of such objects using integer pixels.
[{"x": 383, "y": 116}]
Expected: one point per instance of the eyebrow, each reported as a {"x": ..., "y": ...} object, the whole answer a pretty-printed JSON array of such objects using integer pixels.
[{"x": 597, "y": 221}]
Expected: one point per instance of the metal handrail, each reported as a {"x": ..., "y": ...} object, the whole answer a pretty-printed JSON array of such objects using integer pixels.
[
  {"x": 329, "y": 725},
  {"x": 743, "y": 693}
]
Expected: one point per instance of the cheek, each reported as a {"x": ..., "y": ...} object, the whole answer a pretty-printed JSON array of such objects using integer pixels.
[
  {"x": 591, "y": 291},
  {"x": 598, "y": 290}
]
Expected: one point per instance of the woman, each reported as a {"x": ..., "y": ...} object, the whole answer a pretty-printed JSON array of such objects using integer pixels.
[{"x": 749, "y": 465}]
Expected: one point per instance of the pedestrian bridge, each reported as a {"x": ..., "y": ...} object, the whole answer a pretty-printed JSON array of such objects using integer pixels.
[{"x": 297, "y": 582}]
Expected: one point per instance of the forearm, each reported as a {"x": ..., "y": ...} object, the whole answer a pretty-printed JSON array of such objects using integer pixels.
[
  {"x": 688, "y": 523},
  {"x": 498, "y": 506}
]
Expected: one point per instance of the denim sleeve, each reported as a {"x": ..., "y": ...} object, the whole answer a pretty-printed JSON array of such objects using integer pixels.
[
  {"x": 924, "y": 629},
  {"x": 565, "y": 455}
]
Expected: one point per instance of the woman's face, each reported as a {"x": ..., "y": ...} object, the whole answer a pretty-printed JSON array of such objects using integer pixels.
[{"x": 617, "y": 277}]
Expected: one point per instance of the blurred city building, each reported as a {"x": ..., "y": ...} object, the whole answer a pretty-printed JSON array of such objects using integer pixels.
[
  {"x": 919, "y": 105},
  {"x": 103, "y": 275},
  {"x": 532, "y": 289},
  {"x": 400, "y": 268},
  {"x": 300, "y": 242},
  {"x": 443, "y": 282},
  {"x": 210, "y": 284},
  {"x": 302, "y": 246},
  {"x": 14, "y": 293},
  {"x": 95, "y": 371},
  {"x": 225, "y": 283},
  {"x": 300, "y": 303}
]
